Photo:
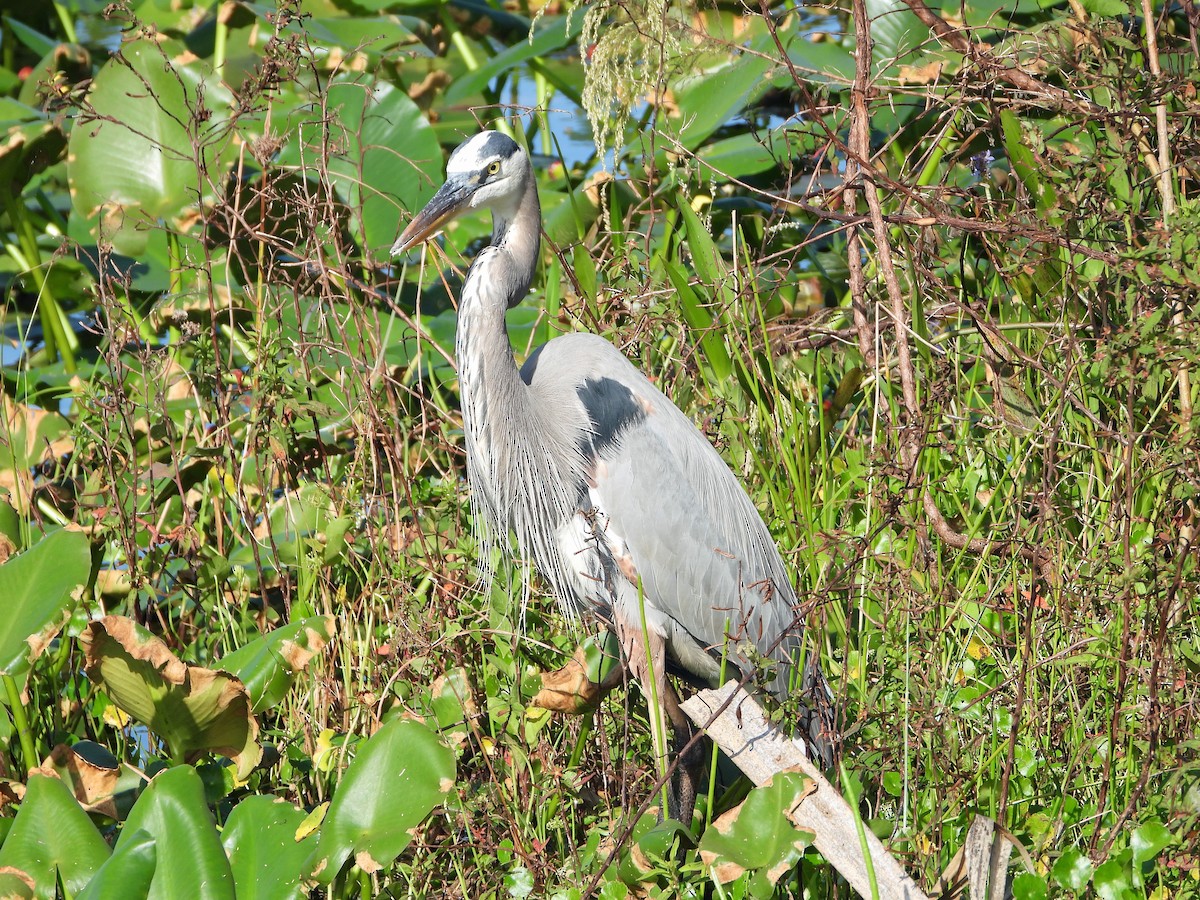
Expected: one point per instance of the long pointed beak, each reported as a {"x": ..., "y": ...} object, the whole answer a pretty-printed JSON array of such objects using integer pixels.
[{"x": 450, "y": 201}]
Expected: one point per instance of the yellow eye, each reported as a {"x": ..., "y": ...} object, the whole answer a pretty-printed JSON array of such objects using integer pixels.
[{"x": 494, "y": 167}]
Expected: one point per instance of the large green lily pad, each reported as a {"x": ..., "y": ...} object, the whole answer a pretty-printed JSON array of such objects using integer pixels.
[
  {"x": 757, "y": 837},
  {"x": 52, "y": 839},
  {"x": 395, "y": 781},
  {"x": 149, "y": 146},
  {"x": 191, "y": 708},
  {"x": 38, "y": 587},
  {"x": 174, "y": 813}
]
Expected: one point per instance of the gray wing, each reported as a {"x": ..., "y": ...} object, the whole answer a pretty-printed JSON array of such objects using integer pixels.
[{"x": 669, "y": 504}]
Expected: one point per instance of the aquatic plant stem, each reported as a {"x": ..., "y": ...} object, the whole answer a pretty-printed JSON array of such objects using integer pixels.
[{"x": 20, "y": 722}]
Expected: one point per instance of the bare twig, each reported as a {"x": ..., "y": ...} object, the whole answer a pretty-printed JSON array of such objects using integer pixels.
[{"x": 985, "y": 59}]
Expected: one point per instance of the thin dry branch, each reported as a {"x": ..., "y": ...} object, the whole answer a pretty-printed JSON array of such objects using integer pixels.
[
  {"x": 860, "y": 151},
  {"x": 911, "y": 435},
  {"x": 988, "y": 61}
]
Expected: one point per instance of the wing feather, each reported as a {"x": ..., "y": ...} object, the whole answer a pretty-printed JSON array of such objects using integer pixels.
[{"x": 705, "y": 558}]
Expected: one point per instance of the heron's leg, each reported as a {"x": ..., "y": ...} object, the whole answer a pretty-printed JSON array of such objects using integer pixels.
[
  {"x": 646, "y": 655},
  {"x": 689, "y": 774},
  {"x": 646, "y": 659}
]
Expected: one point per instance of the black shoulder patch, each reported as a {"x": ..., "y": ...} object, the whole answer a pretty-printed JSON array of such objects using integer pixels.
[{"x": 612, "y": 408}]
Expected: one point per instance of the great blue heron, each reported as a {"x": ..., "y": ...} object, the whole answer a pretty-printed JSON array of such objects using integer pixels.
[{"x": 621, "y": 503}]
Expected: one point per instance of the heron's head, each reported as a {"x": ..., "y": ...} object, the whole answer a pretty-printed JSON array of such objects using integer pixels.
[{"x": 487, "y": 171}]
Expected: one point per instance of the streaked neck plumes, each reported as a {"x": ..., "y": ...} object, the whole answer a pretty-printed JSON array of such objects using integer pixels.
[
  {"x": 519, "y": 238},
  {"x": 511, "y": 442}
]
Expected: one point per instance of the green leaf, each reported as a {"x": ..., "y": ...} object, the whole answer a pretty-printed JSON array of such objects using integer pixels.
[
  {"x": 52, "y": 838},
  {"x": 301, "y": 521},
  {"x": 451, "y": 699},
  {"x": 700, "y": 320},
  {"x": 898, "y": 36},
  {"x": 893, "y": 783},
  {"x": 373, "y": 35},
  {"x": 396, "y": 779},
  {"x": 550, "y": 34},
  {"x": 1148, "y": 840},
  {"x": 172, "y": 810},
  {"x": 133, "y": 160},
  {"x": 585, "y": 272},
  {"x": 1073, "y": 870},
  {"x": 10, "y": 526},
  {"x": 705, "y": 255},
  {"x": 16, "y": 885},
  {"x": 987, "y": 13},
  {"x": 1110, "y": 8},
  {"x": 1028, "y": 886},
  {"x": 390, "y": 158},
  {"x": 37, "y": 587},
  {"x": 269, "y": 664},
  {"x": 712, "y": 95},
  {"x": 749, "y": 154},
  {"x": 189, "y": 707},
  {"x": 39, "y": 43},
  {"x": 825, "y": 61},
  {"x": 757, "y": 837},
  {"x": 650, "y": 842},
  {"x": 266, "y": 858},
  {"x": 567, "y": 217},
  {"x": 129, "y": 872},
  {"x": 1111, "y": 880},
  {"x": 1025, "y": 164}
]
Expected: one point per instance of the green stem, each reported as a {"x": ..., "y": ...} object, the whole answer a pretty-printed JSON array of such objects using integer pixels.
[
  {"x": 934, "y": 163},
  {"x": 56, "y": 333},
  {"x": 219, "y": 44},
  {"x": 20, "y": 722},
  {"x": 174, "y": 270},
  {"x": 68, "y": 26},
  {"x": 585, "y": 730},
  {"x": 464, "y": 49},
  {"x": 544, "y": 93},
  {"x": 657, "y": 718},
  {"x": 852, "y": 801}
]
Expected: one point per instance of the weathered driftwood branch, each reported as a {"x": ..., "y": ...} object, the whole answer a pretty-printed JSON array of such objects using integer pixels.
[{"x": 759, "y": 750}]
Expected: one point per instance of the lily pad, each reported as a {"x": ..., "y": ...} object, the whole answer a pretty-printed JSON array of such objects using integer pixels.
[
  {"x": 757, "y": 836},
  {"x": 266, "y": 853},
  {"x": 394, "y": 782},
  {"x": 129, "y": 872},
  {"x": 52, "y": 839},
  {"x": 38, "y": 587},
  {"x": 172, "y": 810},
  {"x": 148, "y": 147},
  {"x": 191, "y": 708}
]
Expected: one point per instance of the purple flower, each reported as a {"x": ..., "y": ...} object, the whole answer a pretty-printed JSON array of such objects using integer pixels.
[{"x": 980, "y": 163}]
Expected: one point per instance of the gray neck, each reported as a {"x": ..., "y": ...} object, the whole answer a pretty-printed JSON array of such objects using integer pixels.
[
  {"x": 518, "y": 467},
  {"x": 496, "y": 406},
  {"x": 517, "y": 235},
  {"x": 499, "y": 279}
]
